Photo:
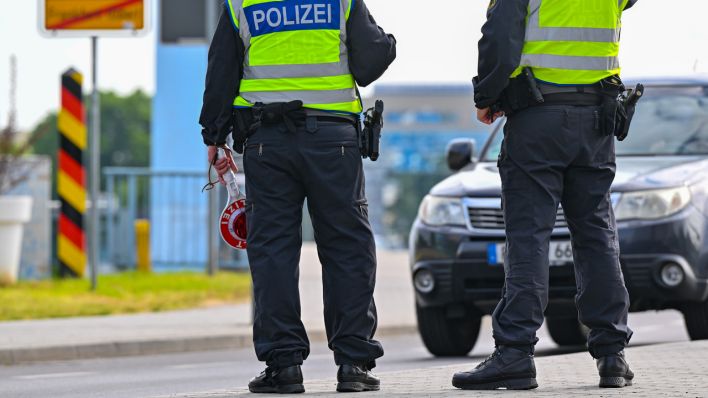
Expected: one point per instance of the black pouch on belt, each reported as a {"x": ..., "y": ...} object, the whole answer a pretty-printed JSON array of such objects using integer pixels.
[
  {"x": 285, "y": 112},
  {"x": 515, "y": 96},
  {"x": 243, "y": 127}
]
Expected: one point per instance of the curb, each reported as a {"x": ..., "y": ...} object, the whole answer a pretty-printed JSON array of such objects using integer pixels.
[{"x": 16, "y": 356}]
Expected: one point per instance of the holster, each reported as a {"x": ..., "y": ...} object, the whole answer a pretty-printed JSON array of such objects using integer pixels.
[
  {"x": 619, "y": 106},
  {"x": 370, "y": 134},
  {"x": 613, "y": 113},
  {"x": 628, "y": 116}
]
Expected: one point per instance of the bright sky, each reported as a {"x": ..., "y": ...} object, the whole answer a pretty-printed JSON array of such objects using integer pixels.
[{"x": 436, "y": 43}]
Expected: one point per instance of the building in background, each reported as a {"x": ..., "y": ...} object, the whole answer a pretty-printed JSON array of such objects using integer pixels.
[
  {"x": 420, "y": 120},
  {"x": 184, "y": 30}
]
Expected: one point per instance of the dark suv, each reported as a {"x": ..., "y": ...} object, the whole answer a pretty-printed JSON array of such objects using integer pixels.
[{"x": 660, "y": 197}]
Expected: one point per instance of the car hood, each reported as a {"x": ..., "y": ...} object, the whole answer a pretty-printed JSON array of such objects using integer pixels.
[{"x": 633, "y": 173}]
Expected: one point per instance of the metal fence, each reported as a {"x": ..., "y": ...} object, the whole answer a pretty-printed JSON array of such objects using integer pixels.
[{"x": 183, "y": 220}]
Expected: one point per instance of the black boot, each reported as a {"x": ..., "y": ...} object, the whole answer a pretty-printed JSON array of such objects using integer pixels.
[
  {"x": 353, "y": 378},
  {"x": 614, "y": 371},
  {"x": 507, "y": 367},
  {"x": 280, "y": 381}
]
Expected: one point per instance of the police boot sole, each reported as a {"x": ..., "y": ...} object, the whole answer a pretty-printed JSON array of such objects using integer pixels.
[
  {"x": 510, "y": 384},
  {"x": 615, "y": 382},
  {"x": 284, "y": 389},
  {"x": 354, "y": 386}
]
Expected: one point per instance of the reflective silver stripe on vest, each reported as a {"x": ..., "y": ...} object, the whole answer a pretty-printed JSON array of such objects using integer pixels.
[
  {"x": 242, "y": 27},
  {"x": 291, "y": 71},
  {"x": 534, "y": 31},
  {"x": 307, "y": 97},
  {"x": 570, "y": 62}
]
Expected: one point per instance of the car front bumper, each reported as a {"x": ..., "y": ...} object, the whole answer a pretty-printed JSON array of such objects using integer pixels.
[{"x": 457, "y": 259}]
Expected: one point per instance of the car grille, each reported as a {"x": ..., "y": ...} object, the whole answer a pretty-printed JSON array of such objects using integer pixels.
[{"x": 481, "y": 218}]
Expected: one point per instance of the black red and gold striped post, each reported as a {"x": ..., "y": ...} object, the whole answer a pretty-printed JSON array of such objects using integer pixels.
[{"x": 71, "y": 177}]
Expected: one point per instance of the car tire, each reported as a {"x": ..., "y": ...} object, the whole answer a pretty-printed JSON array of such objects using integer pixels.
[
  {"x": 696, "y": 317},
  {"x": 567, "y": 331},
  {"x": 444, "y": 336}
]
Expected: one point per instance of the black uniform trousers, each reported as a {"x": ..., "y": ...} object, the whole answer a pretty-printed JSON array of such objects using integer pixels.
[
  {"x": 551, "y": 155},
  {"x": 320, "y": 162}
]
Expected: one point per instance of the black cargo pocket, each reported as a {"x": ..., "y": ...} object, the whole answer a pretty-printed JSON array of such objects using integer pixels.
[
  {"x": 254, "y": 148},
  {"x": 256, "y": 165},
  {"x": 338, "y": 149}
]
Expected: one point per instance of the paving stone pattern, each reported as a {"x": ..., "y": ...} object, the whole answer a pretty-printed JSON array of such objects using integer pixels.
[{"x": 666, "y": 370}]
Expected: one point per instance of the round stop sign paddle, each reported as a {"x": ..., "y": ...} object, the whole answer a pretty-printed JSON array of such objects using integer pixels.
[{"x": 232, "y": 223}]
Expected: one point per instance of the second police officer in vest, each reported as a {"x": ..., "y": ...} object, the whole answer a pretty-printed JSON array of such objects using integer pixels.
[
  {"x": 288, "y": 70},
  {"x": 552, "y": 67}
]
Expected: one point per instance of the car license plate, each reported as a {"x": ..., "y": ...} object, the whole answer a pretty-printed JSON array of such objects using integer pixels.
[{"x": 559, "y": 253}]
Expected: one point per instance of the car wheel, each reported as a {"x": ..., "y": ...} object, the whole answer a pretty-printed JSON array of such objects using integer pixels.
[
  {"x": 567, "y": 331},
  {"x": 447, "y": 337},
  {"x": 696, "y": 317}
]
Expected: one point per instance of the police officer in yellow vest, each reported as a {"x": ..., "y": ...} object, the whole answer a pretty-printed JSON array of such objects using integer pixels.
[
  {"x": 284, "y": 74},
  {"x": 552, "y": 67}
]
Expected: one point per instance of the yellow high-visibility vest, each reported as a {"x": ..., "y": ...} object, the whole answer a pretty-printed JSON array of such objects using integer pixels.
[
  {"x": 295, "y": 50},
  {"x": 572, "y": 41}
]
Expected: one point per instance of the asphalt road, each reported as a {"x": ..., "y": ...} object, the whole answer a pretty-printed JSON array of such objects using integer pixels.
[{"x": 162, "y": 375}]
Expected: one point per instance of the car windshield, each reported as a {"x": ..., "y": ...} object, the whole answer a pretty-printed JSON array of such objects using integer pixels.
[{"x": 669, "y": 121}]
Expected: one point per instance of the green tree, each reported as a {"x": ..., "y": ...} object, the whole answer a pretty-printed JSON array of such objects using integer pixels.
[{"x": 125, "y": 131}]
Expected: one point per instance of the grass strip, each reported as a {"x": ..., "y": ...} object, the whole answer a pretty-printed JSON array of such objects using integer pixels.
[{"x": 123, "y": 293}]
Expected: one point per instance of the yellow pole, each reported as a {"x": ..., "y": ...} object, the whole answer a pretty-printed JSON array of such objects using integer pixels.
[{"x": 142, "y": 245}]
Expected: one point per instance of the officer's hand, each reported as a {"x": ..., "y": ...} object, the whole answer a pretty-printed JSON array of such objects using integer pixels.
[
  {"x": 485, "y": 116},
  {"x": 222, "y": 164}
]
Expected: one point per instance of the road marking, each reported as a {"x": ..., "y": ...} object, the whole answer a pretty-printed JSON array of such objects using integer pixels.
[
  {"x": 201, "y": 365},
  {"x": 205, "y": 394},
  {"x": 53, "y": 375}
]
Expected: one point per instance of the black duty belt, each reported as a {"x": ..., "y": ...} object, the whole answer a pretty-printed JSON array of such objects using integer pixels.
[
  {"x": 581, "y": 95},
  {"x": 548, "y": 89},
  {"x": 325, "y": 116},
  {"x": 334, "y": 119},
  {"x": 573, "y": 99}
]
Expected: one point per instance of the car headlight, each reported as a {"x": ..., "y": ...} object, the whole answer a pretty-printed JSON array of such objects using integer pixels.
[
  {"x": 437, "y": 211},
  {"x": 650, "y": 205}
]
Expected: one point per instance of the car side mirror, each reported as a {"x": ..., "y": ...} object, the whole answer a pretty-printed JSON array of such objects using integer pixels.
[{"x": 460, "y": 153}]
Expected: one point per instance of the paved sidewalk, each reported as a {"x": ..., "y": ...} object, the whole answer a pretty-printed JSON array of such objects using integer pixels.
[
  {"x": 665, "y": 370},
  {"x": 197, "y": 330}
]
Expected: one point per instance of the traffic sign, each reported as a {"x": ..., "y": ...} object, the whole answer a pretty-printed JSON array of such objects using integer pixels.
[{"x": 93, "y": 18}]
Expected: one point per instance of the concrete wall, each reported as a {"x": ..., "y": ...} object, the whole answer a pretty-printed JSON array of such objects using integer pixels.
[{"x": 36, "y": 257}]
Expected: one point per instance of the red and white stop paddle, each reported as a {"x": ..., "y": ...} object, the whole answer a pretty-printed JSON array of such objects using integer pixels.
[{"x": 232, "y": 223}]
